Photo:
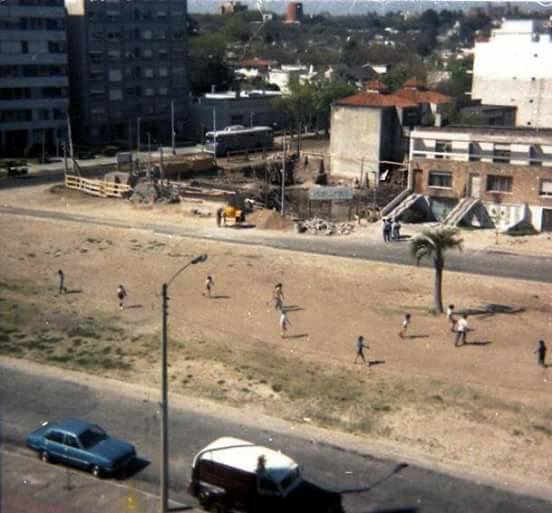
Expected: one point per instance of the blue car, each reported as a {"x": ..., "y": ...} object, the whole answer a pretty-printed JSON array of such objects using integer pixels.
[{"x": 81, "y": 444}]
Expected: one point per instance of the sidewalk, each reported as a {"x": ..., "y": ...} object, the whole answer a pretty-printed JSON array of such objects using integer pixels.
[{"x": 30, "y": 486}]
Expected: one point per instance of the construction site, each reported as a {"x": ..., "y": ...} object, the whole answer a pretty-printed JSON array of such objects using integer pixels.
[{"x": 243, "y": 190}]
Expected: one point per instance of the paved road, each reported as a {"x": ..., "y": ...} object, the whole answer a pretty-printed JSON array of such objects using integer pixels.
[
  {"x": 491, "y": 263},
  {"x": 367, "y": 484}
]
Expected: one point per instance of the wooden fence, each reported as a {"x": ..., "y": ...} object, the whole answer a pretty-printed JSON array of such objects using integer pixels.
[{"x": 100, "y": 188}]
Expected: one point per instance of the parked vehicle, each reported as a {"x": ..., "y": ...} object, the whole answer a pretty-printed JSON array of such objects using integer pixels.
[
  {"x": 231, "y": 474},
  {"x": 237, "y": 138},
  {"x": 81, "y": 444}
]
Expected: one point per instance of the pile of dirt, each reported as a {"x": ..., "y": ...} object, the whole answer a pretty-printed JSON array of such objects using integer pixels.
[{"x": 269, "y": 220}]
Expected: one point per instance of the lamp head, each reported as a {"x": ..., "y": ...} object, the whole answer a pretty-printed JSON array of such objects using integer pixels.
[{"x": 199, "y": 259}]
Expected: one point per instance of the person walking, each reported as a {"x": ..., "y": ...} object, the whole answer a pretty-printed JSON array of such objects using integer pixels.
[
  {"x": 360, "y": 346},
  {"x": 219, "y": 216},
  {"x": 121, "y": 295},
  {"x": 450, "y": 317},
  {"x": 284, "y": 324},
  {"x": 541, "y": 352},
  {"x": 461, "y": 331},
  {"x": 396, "y": 230},
  {"x": 209, "y": 284},
  {"x": 405, "y": 324},
  {"x": 278, "y": 296},
  {"x": 62, "y": 288}
]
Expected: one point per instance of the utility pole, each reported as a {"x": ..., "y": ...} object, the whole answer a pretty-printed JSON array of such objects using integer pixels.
[
  {"x": 173, "y": 133},
  {"x": 283, "y": 213},
  {"x": 149, "y": 149},
  {"x": 138, "y": 120},
  {"x": 161, "y": 162}
]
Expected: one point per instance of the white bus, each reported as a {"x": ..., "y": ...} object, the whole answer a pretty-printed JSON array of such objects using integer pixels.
[{"x": 238, "y": 138}]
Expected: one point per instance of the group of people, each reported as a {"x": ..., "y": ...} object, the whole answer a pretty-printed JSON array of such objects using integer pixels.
[
  {"x": 391, "y": 229},
  {"x": 458, "y": 326}
]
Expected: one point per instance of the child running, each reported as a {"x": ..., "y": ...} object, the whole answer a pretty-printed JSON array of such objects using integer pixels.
[
  {"x": 209, "y": 284},
  {"x": 360, "y": 346},
  {"x": 405, "y": 324},
  {"x": 121, "y": 295},
  {"x": 284, "y": 323}
]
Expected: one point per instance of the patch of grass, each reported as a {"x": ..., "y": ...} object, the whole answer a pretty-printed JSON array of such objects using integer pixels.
[
  {"x": 83, "y": 331},
  {"x": 545, "y": 430}
]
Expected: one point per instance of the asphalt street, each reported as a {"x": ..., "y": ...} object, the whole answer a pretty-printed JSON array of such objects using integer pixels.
[
  {"x": 490, "y": 263},
  {"x": 368, "y": 484}
]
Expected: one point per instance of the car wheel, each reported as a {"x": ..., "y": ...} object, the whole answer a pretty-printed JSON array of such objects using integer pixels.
[
  {"x": 96, "y": 471},
  {"x": 44, "y": 457}
]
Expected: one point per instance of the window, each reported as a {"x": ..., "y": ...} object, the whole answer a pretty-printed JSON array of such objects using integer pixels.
[
  {"x": 147, "y": 34},
  {"x": 442, "y": 147},
  {"x": 149, "y": 91},
  {"x": 546, "y": 187},
  {"x": 113, "y": 36},
  {"x": 115, "y": 75},
  {"x": 43, "y": 114},
  {"x": 115, "y": 94},
  {"x": 97, "y": 93},
  {"x": 71, "y": 441},
  {"x": 163, "y": 53},
  {"x": 96, "y": 57},
  {"x": 114, "y": 55},
  {"x": 148, "y": 73},
  {"x": 496, "y": 183},
  {"x": 501, "y": 153},
  {"x": 55, "y": 436},
  {"x": 535, "y": 155},
  {"x": 440, "y": 179},
  {"x": 474, "y": 152},
  {"x": 163, "y": 72},
  {"x": 163, "y": 91},
  {"x": 147, "y": 53}
]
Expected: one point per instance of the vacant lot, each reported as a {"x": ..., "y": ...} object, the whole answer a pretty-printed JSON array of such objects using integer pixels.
[{"x": 486, "y": 404}]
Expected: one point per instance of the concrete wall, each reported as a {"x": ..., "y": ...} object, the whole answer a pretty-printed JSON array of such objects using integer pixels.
[{"x": 355, "y": 140}]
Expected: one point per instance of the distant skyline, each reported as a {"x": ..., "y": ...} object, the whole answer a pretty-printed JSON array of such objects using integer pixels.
[{"x": 359, "y": 7}]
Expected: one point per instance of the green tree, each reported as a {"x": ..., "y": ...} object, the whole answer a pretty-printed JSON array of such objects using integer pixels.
[
  {"x": 433, "y": 243},
  {"x": 298, "y": 106},
  {"x": 326, "y": 93}
]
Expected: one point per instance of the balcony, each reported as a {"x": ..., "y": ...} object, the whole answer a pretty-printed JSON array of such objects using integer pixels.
[
  {"x": 28, "y": 104},
  {"x": 35, "y": 58},
  {"x": 32, "y": 35},
  {"x": 58, "y": 81},
  {"x": 30, "y": 11}
]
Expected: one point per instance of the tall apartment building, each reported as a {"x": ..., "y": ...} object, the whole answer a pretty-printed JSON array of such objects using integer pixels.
[
  {"x": 513, "y": 69},
  {"x": 33, "y": 75},
  {"x": 127, "y": 64}
]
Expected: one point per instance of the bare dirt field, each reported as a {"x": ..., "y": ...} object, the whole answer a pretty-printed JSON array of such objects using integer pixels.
[{"x": 485, "y": 405}]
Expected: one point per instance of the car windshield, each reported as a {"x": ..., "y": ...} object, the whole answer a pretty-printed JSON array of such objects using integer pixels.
[{"x": 92, "y": 436}]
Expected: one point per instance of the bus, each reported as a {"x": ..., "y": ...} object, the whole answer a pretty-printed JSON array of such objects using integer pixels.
[{"x": 238, "y": 138}]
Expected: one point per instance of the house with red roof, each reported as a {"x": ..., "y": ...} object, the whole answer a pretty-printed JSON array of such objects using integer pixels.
[{"x": 367, "y": 134}]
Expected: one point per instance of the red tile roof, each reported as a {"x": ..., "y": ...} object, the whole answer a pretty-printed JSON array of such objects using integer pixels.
[
  {"x": 376, "y": 100},
  {"x": 256, "y": 62},
  {"x": 414, "y": 82},
  {"x": 417, "y": 96}
]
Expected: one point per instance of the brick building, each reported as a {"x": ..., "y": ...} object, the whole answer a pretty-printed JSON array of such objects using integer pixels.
[{"x": 484, "y": 175}]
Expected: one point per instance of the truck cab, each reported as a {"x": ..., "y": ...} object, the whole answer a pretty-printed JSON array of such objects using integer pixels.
[{"x": 231, "y": 474}]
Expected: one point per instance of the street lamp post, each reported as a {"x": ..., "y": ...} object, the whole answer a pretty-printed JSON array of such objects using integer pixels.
[
  {"x": 173, "y": 132},
  {"x": 164, "y": 484}
]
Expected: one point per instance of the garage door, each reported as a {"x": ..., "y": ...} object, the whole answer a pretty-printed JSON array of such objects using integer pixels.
[{"x": 547, "y": 219}]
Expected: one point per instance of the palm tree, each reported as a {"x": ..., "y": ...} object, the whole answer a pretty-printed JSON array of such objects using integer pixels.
[{"x": 433, "y": 243}]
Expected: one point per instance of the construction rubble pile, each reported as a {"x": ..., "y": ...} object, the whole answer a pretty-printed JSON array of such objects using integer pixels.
[
  {"x": 147, "y": 191},
  {"x": 317, "y": 226}
]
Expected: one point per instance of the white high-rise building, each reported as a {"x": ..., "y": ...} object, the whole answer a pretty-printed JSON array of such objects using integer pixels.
[{"x": 513, "y": 68}]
